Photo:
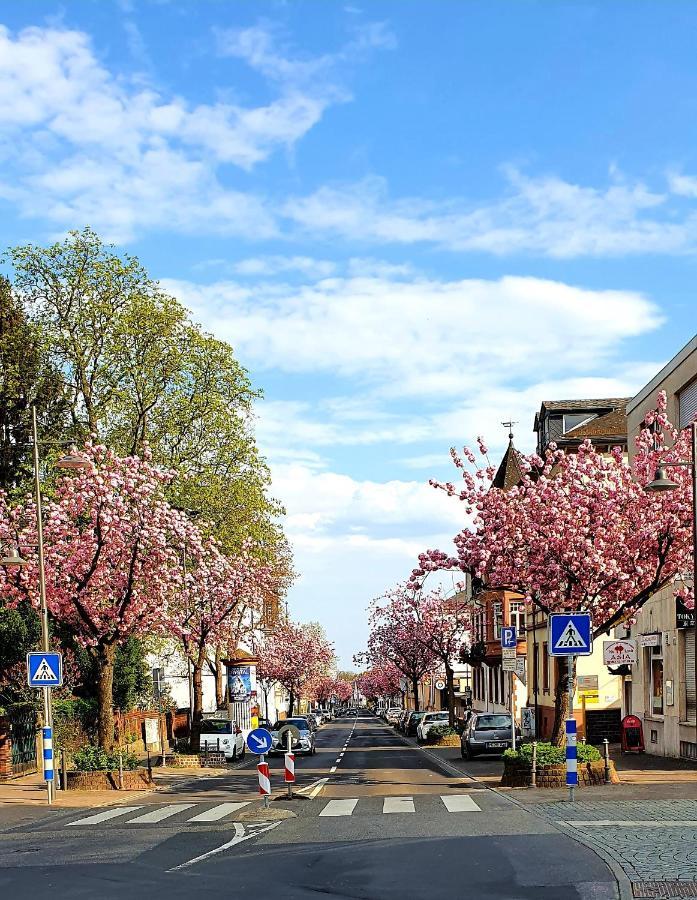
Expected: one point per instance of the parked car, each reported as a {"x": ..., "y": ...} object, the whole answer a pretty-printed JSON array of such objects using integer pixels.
[
  {"x": 486, "y": 733},
  {"x": 428, "y": 720},
  {"x": 224, "y": 736},
  {"x": 306, "y": 742},
  {"x": 412, "y": 723},
  {"x": 312, "y": 719},
  {"x": 393, "y": 715}
]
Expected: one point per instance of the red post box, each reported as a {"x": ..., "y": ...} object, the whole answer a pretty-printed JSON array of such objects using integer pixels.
[{"x": 632, "y": 735}]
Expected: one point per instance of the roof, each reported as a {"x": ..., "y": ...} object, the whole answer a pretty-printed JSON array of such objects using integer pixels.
[
  {"x": 610, "y": 425},
  {"x": 608, "y": 403},
  {"x": 510, "y": 472}
]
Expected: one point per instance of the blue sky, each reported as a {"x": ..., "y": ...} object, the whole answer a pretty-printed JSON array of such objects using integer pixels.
[{"x": 412, "y": 220}]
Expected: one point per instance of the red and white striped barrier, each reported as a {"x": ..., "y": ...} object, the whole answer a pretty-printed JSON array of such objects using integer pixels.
[
  {"x": 264, "y": 780},
  {"x": 290, "y": 768}
]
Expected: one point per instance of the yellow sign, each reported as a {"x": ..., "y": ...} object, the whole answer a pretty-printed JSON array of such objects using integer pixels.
[{"x": 590, "y": 696}]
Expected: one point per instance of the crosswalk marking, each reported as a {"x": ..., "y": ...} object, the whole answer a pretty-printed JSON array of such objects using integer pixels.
[
  {"x": 106, "y": 815},
  {"x": 398, "y": 805},
  {"x": 218, "y": 812},
  {"x": 339, "y": 808},
  {"x": 159, "y": 814},
  {"x": 460, "y": 803}
]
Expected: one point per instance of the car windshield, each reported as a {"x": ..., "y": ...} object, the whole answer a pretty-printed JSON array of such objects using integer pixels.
[
  {"x": 299, "y": 724},
  {"x": 216, "y": 726},
  {"x": 492, "y": 722},
  {"x": 436, "y": 717}
]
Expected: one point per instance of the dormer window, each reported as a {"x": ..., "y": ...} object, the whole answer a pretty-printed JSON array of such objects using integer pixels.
[{"x": 573, "y": 420}]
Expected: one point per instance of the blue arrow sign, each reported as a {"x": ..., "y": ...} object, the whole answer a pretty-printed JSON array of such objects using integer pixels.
[
  {"x": 509, "y": 638},
  {"x": 570, "y": 634},
  {"x": 259, "y": 740},
  {"x": 44, "y": 669}
]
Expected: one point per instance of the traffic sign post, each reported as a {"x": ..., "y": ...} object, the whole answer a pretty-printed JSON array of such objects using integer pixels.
[
  {"x": 259, "y": 741},
  {"x": 509, "y": 637},
  {"x": 509, "y": 643},
  {"x": 290, "y": 760},
  {"x": 44, "y": 670},
  {"x": 264, "y": 780},
  {"x": 570, "y": 635}
]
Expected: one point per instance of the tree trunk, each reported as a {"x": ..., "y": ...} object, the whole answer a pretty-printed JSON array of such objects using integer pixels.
[
  {"x": 450, "y": 690},
  {"x": 415, "y": 688},
  {"x": 566, "y": 670},
  {"x": 291, "y": 702},
  {"x": 219, "y": 680},
  {"x": 197, "y": 711},
  {"x": 105, "y": 695}
]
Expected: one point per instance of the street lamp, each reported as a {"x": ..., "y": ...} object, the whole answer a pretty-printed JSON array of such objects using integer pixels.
[
  {"x": 661, "y": 482},
  {"x": 72, "y": 461}
]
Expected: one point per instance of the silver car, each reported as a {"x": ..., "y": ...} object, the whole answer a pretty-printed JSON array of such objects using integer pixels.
[{"x": 487, "y": 733}]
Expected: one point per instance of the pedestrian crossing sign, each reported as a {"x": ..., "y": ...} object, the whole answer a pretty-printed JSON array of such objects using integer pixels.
[
  {"x": 569, "y": 634},
  {"x": 44, "y": 669}
]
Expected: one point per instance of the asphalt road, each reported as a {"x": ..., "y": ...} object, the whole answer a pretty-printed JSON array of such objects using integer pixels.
[{"x": 381, "y": 819}]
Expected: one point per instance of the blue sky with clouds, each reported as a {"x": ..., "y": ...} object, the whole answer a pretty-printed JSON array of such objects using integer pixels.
[{"x": 412, "y": 220}]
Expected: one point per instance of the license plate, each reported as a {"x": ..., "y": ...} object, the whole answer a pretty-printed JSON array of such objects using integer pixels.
[{"x": 495, "y": 745}]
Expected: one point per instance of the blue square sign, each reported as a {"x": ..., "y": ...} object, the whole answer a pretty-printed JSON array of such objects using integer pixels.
[
  {"x": 570, "y": 634},
  {"x": 44, "y": 669},
  {"x": 509, "y": 638}
]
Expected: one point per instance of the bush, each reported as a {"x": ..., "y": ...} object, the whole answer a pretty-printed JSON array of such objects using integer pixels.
[
  {"x": 91, "y": 758},
  {"x": 436, "y": 732},
  {"x": 549, "y": 755}
]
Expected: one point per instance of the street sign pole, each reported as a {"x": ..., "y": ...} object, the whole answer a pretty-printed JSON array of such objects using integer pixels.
[
  {"x": 290, "y": 752},
  {"x": 262, "y": 760},
  {"x": 512, "y": 683},
  {"x": 571, "y": 750}
]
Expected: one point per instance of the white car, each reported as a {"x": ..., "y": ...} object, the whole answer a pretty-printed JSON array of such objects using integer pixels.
[
  {"x": 428, "y": 721},
  {"x": 393, "y": 714},
  {"x": 224, "y": 736}
]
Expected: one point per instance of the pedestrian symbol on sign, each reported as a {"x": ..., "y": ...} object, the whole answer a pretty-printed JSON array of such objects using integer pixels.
[
  {"x": 44, "y": 673},
  {"x": 570, "y": 639}
]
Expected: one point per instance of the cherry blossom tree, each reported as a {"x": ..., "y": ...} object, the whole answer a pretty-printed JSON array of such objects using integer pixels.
[
  {"x": 381, "y": 681},
  {"x": 112, "y": 565},
  {"x": 219, "y": 591},
  {"x": 395, "y": 637},
  {"x": 579, "y": 533},
  {"x": 293, "y": 655}
]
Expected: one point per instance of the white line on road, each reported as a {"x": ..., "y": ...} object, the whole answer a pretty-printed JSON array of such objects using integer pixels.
[
  {"x": 460, "y": 803},
  {"x": 332, "y": 770},
  {"x": 398, "y": 805},
  {"x": 339, "y": 808},
  {"x": 641, "y": 823},
  {"x": 159, "y": 814},
  {"x": 218, "y": 812},
  {"x": 238, "y": 838},
  {"x": 105, "y": 816}
]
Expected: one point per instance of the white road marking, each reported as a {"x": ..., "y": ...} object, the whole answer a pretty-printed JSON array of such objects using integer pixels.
[
  {"x": 332, "y": 770},
  {"x": 160, "y": 814},
  {"x": 460, "y": 803},
  {"x": 398, "y": 805},
  {"x": 339, "y": 808},
  {"x": 218, "y": 812},
  {"x": 105, "y": 816},
  {"x": 238, "y": 838}
]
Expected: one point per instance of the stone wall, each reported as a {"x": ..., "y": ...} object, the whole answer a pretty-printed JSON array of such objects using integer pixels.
[
  {"x": 589, "y": 774},
  {"x": 135, "y": 780}
]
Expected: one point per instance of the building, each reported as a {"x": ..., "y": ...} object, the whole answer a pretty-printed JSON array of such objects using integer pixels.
[
  {"x": 660, "y": 689},
  {"x": 568, "y": 423}
]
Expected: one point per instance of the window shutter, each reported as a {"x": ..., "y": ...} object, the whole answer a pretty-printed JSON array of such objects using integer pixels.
[{"x": 688, "y": 404}]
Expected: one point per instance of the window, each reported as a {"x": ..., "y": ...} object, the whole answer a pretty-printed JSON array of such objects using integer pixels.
[
  {"x": 545, "y": 668},
  {"x": 498, "y": 620},
  {"x": 687, "y": 400},
  {"x": 573, "y": 420},
  {"x": 516, "y": 616},
  {"x": 655, "y": 667}
]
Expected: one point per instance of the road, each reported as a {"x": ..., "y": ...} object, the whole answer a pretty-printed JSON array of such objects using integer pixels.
[{"x": 381, "y": 819}]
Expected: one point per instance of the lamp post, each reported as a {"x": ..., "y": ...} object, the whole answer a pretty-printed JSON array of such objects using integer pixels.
[
  {"x": 662, "y": 482},
  {"x": 70, "y": 462}
]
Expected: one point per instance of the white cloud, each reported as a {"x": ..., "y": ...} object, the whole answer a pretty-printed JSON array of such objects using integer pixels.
[
  {"x": 266, "y": 266},
  {"x": 82, "y": 144},
  {"x": 421, "y": 336},
  {"x": 544, "y": 215}
]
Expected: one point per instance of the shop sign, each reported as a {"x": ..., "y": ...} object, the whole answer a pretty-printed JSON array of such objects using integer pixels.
[
  {"x": 619, "y": 653},
  {"x": 684, "y": 617},
  {"x": 650, "y": 640}
]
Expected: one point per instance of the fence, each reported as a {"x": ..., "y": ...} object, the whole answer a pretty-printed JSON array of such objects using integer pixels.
[{"x": 18, "y": 732}]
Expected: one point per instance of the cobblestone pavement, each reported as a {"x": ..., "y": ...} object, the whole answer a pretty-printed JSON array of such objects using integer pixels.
[{"x": 652, "y": 840}]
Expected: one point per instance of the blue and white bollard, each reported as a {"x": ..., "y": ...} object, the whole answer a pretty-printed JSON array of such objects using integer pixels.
[
  {"x": 571, "y": 757},
  {"x": 48, "y": 753}
]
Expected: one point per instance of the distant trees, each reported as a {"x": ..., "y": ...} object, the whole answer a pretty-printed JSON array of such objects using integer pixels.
[{"x": 295, "y": 655}]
